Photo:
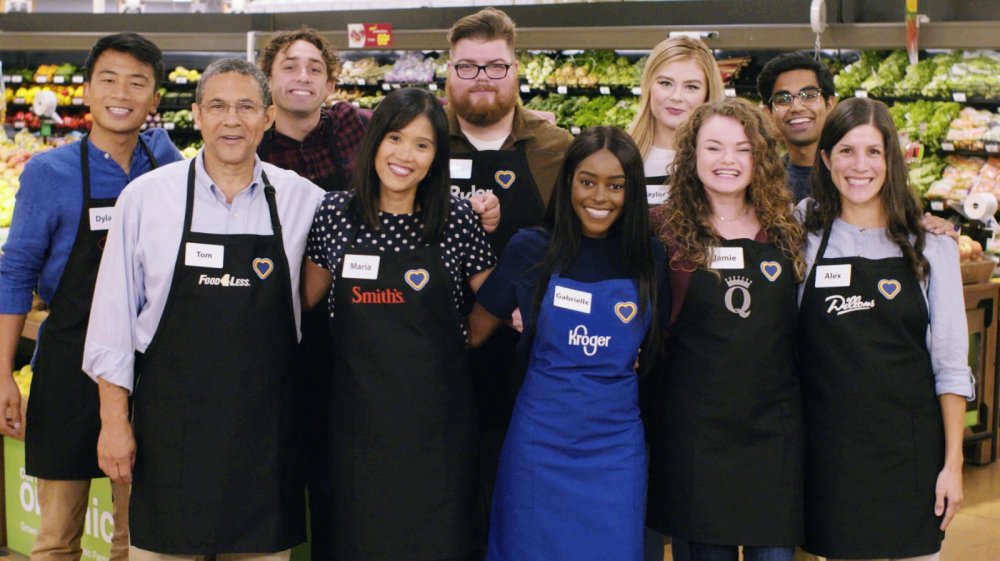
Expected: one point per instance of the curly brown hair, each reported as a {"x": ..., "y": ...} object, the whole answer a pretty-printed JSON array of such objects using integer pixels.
[
  {"x": 685, "y": 219},
  {"x": 280, "y": 43}
]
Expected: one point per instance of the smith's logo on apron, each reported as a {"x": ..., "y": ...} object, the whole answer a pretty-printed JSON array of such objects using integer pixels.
[
  {"x": 505, "y": 178},
  {"x": 263, "y": 267},
  {"x": 578, "y": 337},
  {"x": 741, "y": 286},
  {"x": 889, "y": 288},
  {"x": 843, "y": 305},
  {"x": 225, "y": 280},
  {"x": 383, "y": 296}
]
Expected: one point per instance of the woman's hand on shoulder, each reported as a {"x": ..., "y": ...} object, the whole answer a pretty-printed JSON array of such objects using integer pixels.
[{"x": 940, "y": 226}]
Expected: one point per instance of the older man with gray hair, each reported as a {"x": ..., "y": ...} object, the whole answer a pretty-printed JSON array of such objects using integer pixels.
[{"x": 196, "y": 315}]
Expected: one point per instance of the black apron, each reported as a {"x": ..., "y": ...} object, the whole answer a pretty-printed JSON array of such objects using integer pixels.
[
  {"x": 216, "y": 466},
  {"x": 496, "y": 373},
  {"x": 726, "y": 438},
  {"x": 63, "y": 419},
  {"x": 875, "y": 440},
  {"x": 402, "y": 429}
]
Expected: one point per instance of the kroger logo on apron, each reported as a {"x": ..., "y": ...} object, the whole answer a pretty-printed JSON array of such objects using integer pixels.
[{"x": 578, "y": 337}]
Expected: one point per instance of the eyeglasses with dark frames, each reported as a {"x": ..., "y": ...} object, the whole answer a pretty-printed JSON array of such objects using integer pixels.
[{"x": 493, "y": 70}]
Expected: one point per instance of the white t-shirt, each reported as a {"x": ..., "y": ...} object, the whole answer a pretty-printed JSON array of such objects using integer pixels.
[
  {"x": 482, "y": 144},
  {"x": 655, "y": 165}
]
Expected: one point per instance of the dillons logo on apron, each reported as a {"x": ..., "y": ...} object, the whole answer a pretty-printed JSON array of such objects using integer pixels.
[
  {"x": 225, "y": 280},
  {"x": 578, "y": 337},
  {"x": 842, "y": 305}
]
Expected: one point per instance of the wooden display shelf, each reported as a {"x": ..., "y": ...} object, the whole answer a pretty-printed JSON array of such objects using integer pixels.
[{"x": 981, "y": 307}]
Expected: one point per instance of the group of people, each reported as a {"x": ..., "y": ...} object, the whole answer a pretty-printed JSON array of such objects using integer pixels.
[{"x": 673, "y": 327}]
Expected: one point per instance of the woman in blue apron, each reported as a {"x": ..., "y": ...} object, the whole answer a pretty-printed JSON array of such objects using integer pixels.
[
  {"x": 679, "y": 75},
  {"x": 572, "y": 479},
  {"x": 883, "y": 347},
  {"x": 725, "y": 412},
  {"x": 391, "y": 258}
]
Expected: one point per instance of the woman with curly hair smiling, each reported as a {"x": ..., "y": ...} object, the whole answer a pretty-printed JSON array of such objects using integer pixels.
[{"x": 725, "y": 428}]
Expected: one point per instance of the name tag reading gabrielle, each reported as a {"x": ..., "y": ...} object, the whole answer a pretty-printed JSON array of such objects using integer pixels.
[
  {"x": 726, "y": 258},
  {"x": 360, "y": 267},
  {"x": 832, "y": 276},
  {"x": 100, "y": 218},
  {"x": 204, "y": 255},
  {"x": 657, "y": 194},
  {"x": 570, "y": 299},
  {"x": 460, "y": 168}
]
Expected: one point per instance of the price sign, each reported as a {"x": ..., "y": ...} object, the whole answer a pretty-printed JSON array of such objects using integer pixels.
[
  {"x": 19, "y": 100},
  {"x": 562, "y": 89},
  {"x": 993, "y": 148},
  {"x": 386, "y": 86},
  {"x": 574, "y": 130},
  {"x": 6, "y": 79},
  {"x": 181, "y": 80},
  {"x": 369, "y": 35},
  {"x": 77, "y": 101},
  {"x": 937, "y": 205},
  {"x": 396, "y": 86},
  {"x": 168, "y": 126},
  {"x": 525, "y": 88},
  {"x": 16, "y": 79},
  {"x": 58, "y": 79},
  {"x": 947, "y": 147},
  {"x": 860, "y": 93},
  {"x": 960, "y": 97},
  {"x": 76, "y": 79},
  {"x": 362, "y": 81},
  {"x": 41, "y": 79},
  {"x": 637, "y": 91},
  {"x": 605, "y": 90},
  {"x": 432, "y": 87},
  {"x": 18, "y": 124}
]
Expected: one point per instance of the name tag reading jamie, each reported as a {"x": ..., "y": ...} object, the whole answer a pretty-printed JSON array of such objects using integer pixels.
[
  {"x": 832, "y": 276},
  {"x": 360, "y": 267},
  {"x": 570, "y": 299},
  {"x": 204, "y": 255},
  {"x": 657, "y": 194},
  {"x": 100, "y": 218},
  {"x": 460, "y": 168},
  {"x": 726, "y": 258}
]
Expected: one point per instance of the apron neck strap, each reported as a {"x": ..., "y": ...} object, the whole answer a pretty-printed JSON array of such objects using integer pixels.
[{"x": 269, "y": 195}]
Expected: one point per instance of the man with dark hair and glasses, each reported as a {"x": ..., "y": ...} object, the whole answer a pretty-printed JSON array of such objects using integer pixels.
[
  {"x": 198, "y": 293},
  {"x": 798, "y": 93}
]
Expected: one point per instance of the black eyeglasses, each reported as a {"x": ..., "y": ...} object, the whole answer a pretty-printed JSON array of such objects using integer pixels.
[
  {"x": 805, "y": 95},
  {"x": 494, "y": 70}
]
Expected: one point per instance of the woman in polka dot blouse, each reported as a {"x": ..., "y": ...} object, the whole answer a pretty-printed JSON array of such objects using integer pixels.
[{"x": 391, "y": 257}]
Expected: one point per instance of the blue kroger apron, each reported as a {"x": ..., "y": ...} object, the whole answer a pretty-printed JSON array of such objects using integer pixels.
[{"x": 572, "y": 477}]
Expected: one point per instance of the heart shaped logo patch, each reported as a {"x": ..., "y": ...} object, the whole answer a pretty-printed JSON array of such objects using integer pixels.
[
  {"x": 889, "y": 288},
  {"x": 626, "y": 311},
  {"x": 417, "y": 278},
  {"x": 263, "y": 267},
  {"x": 505, "y": 178},
  {"x": 771, "y": 270}
]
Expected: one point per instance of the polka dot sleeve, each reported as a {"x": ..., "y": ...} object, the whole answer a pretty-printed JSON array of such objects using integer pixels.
[
  {"x": 466, "y": 241},
  {"x": 328, "y": 235}
]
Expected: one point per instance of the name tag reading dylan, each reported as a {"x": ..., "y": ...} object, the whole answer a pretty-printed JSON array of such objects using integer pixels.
[
  {"x": 360, "y": 267},
  {"x": 100, "y": 218},
  {"x": 204, "y": 255},
  {"x": 570, "y": 299},
  {"x": 832, "y": 276},
  {"x": 726, "y": 258}
]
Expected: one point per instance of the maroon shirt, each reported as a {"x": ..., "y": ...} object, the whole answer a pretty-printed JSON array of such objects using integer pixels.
[{"x": 327, "y": 154}]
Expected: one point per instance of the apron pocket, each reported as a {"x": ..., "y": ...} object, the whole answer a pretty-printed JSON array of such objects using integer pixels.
[{"x": 159, "y": 433}]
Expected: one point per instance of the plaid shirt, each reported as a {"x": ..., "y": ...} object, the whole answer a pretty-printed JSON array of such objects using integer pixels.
[{"x": 327, "y": 154}]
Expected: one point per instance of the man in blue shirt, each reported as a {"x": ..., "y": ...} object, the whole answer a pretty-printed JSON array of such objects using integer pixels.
[
  {"x": 64, "y": 207},
  {"x": 798, "y": 93}
]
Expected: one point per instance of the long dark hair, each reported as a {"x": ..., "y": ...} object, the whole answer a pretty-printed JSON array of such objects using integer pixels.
[
  {"x": 564, "y": 225},
  {"x": 899, "y": 202},
  {"x": 393, "y": 114}
]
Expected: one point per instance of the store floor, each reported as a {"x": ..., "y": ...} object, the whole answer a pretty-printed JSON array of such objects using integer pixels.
[{"x": 974, "y": 535}]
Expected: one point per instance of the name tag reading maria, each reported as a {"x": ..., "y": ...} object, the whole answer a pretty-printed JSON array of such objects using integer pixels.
[
  {"x": 100, "y": 218},
  {"x": 657, "y": 194},
  {"x": 360, "y": 267},
  {"x": 204, "y": 255},
  {"x": 832, "y": 276},
  {"x": 460, "y": 168},
  {"x": 570, "y": 299},
  {"x": 726, "y": 258}
]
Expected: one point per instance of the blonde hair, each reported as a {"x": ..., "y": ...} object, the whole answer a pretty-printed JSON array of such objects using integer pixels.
[
  {"x": 685, "y": 223},
  {"x": 670, "y": 50}
]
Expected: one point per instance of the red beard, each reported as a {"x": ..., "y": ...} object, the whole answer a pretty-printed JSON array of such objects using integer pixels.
[{"x": 482, "y": 113}]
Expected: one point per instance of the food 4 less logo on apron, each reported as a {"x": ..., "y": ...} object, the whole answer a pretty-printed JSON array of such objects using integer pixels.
[{"x": 213, "y": 256}]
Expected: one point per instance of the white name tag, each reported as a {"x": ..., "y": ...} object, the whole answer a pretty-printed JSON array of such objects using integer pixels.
[
  {"x": 726, "y": 258},
  {"x": 570, "y": 299},
  {"x": 831, "y": 276},
  {"x": 100, "y": 218},
  {"x": 360, "y": 267},
  {"x": 460, "y": 169},
  {"x": 657, "y": 194},
  {"x": 204, "y": 255}
]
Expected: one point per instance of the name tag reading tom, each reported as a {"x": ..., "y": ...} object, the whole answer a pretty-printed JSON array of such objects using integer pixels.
[
  {"x": 204, "y": 255},
  {"x": 360, "y": 267},
  {"x": 100, "y": 218},
  {"x": 657, "y": 194},
  {"x": 726, "y": 258},
  {"x": 832, "y": 276},
  {"x": 460, "y": 168},
  {"x": 570, "y": 299}
]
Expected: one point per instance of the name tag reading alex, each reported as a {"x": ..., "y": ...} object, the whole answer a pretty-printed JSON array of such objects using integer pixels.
[
  {"x": 100, "y": 218},
  {"x": 460, "y": 168},
  {"x": 657, "y": 194},
  {"x": 727, "y": 258},
  {"x": 832, "y": 276},
  {"x": 570, "y": 299},
  {"x": 360, "y": 267},
  {"x": 204, "y": 255}
]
